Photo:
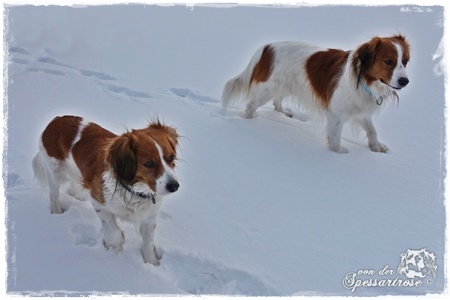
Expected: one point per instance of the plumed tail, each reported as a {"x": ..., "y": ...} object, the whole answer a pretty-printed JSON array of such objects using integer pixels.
[
  {"x": 234, "y": 91},
  {"x": 39, "y": 170},
  {"x": 237, "y": 88}
]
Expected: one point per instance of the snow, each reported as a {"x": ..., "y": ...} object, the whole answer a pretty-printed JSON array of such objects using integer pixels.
[{"x": 264, "y": 208}]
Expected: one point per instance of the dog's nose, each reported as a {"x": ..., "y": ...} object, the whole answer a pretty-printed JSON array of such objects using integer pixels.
[
  {"x": 172, "y": 186},
  {"x": 403, "y": 81}
]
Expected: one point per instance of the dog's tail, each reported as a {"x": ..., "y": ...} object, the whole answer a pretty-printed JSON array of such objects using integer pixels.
[
  {"x": 237, "y": 88},
  {"x": 234, "y": 91},
  {"x": 39, "y": 170}
]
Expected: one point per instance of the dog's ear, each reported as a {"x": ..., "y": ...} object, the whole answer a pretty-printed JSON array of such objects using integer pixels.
[
  {"x": 365, "y": 56},
  {"x": 429, "y": 259},
  {"x": 123, "y": 159}
]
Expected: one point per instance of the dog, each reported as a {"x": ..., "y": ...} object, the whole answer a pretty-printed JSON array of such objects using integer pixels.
[
  {"x": 124, "y": 176},
  {"x": 417, "y": 264},
  {"x": 345, "y": 85}
]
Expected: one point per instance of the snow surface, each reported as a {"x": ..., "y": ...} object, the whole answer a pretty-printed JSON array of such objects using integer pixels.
[{"x": 264, "y": 207}]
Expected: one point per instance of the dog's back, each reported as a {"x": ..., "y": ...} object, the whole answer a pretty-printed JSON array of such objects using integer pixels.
[{"x": 274, "y": 71}]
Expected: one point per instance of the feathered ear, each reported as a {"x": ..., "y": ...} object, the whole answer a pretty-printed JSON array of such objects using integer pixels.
[
  {"x": 365, "y": 56},
  {"x": 122, "y": 158},
  {"x": 429, "y": 260}
]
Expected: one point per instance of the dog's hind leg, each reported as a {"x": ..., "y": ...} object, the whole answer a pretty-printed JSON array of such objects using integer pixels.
[
  {"x": 250, "y": 110},
  {"x": 48, "y": 172},
  {"x": 56, "y": 171},
  {"x": 277, "y": 102},
  {"x": 260, "y": 94},
  {"x": 53, "y": 185}
]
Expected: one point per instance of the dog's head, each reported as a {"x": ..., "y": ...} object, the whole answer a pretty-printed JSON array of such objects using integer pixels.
[
  {"x": 417, "y": 264},
  {"x": 143, "y": 160},
  {"x": 383, "y": 61}
]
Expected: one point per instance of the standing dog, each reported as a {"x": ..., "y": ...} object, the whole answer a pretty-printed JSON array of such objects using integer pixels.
[
  {"x": 347, "y": 85},
  {"x": 124, "y": 176}
]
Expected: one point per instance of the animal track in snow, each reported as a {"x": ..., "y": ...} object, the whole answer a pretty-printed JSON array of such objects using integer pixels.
[
  {"x": 212, "y": 104},
  {"x": 51, "y": 66},
  {"x": 47, "y": 71},
  {"x": 193, "y": 95},
  {"x": 98, "y": 75},
  {"x": 202, "y": 277},
  {"x": 20, "y": 61},
  {"x": 51, "y": 61},
  {"x": 85, "y": 235},
  {"x": 18, "y": 50},
  {"x": 12, "y": 179},
  {"x": 128, "y": 92}
]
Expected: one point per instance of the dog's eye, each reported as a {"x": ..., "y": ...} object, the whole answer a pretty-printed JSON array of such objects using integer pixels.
[
  {"x": 171, "y": 159},
  {"x": 150, "y": 164},
  {"x": 389, "y": 62},
  {"x": 405, "y": 62}
]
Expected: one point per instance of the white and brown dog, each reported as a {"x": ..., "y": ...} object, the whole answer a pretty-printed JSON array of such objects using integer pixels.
[
  {"x": 124, "y": 176},
  {"x": 346, "y": 85}
]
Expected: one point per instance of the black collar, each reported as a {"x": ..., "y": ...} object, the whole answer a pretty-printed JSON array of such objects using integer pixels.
[{"x": 139, "y": 194}]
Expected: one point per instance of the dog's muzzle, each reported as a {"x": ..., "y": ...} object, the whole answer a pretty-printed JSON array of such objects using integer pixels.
[{"x": 402, "y": 82}]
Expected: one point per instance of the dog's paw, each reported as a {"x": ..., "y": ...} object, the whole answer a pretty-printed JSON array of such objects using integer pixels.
[
  {"x": 248, "y": 115},
  {"x": 150, "y": 256},
  {"x": 55, "y": 207},
  {"x": 288, "y": 113},
  {"x": 56, "y": 211},
  {"x": 114, "y": 244},
  {"x": 378, "y": 147},
  {"x": 285, "y": 111},
  {"x": 116, "y": 248},
  {"x": 340, "y": 150}
]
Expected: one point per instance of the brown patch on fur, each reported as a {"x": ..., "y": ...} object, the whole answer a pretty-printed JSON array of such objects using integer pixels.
[
  {"x": 88, "y": 153},
  {"x": 58, "y": 137},
  {"x": 369, "y": 60},
  {"x": 324, "y": 69},
  {"x": 263, "y": 69}
]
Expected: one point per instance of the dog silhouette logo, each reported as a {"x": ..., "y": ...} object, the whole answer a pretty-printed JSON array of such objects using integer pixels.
[{"x": 417, "y": 264}]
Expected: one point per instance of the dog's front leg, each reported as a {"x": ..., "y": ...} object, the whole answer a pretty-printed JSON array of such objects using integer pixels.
[
  {"x": 334, "y": 132},
  {"x": 374, "y": 144},
  {"x": 113, "y": 238},
  {"x": 147, "y": 231}
]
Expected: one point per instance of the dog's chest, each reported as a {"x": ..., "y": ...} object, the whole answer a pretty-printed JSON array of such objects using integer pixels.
[{"x": 353, "y": 105}]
